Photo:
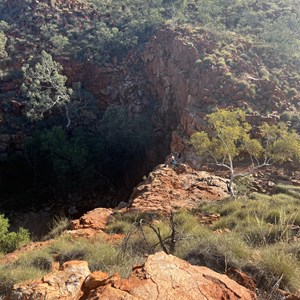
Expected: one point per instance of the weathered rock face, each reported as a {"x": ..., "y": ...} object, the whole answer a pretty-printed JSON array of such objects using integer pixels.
[
  {"x": 168, "y": 189},
  {"x": 162, "y": 277},
  {"x": 189, "y": 80},
  {"x": 63, "y": 284}
]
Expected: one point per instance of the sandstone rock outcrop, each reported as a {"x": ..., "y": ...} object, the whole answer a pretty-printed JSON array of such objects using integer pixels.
[
  {"x": 64, "y": 284},
  {"x": 162, "y": 277},
  {"x": 95, "y": 219},
  {"x": 168, "y": 189}
]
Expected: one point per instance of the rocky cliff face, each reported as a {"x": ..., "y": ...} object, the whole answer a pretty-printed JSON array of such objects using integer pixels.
[
  {"x": 191, "y": 74},
  {"x": 179, "y": 77}
]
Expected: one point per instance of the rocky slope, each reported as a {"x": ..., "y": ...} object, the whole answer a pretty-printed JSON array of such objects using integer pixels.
[
  {"x": 165, "y": 190},
  {"x": 179, "y": 76},
  {"x": 161, "y": 277}
]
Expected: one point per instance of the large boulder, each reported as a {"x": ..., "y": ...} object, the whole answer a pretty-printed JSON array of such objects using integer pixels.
[
  {"x": 166, "y": 277},
  {"x": 95, "y": 219},
  {"x": 168, "y": 189}
]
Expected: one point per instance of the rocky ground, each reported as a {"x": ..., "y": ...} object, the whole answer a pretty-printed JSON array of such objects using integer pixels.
[{"x": 161, "y": 277}]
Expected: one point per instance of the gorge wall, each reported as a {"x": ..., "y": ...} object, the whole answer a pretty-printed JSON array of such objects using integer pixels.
[{"x": 177, "y": 78}]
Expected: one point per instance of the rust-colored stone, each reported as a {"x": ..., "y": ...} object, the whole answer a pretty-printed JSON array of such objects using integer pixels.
[
  {"x": 168, "y": 189},
  {"x": 95, "y": 219},
  {"x": 166, "y": 277},
  {"x": 242, "y": 279},
  {"x": 64, "y": 284}
]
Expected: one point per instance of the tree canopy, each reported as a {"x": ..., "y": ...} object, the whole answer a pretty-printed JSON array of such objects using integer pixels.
[
  {"x": 229, "y": 137},
  {"x": 44, "y": 86}
]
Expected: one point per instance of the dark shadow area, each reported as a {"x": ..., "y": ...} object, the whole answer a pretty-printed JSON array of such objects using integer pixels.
[{"x": 60, "y": 168}]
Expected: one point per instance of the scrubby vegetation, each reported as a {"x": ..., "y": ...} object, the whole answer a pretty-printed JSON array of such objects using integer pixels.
[
  {"x": 96, "y": 30},
  {"x": 228, "y": 138}
]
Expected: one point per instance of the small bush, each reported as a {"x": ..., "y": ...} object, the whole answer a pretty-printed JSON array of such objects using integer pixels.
[
  {"x": 243, "y": 84},
  {"x": 146, "y": 241},
  {"x": 219, "y": 252},
  {"x": 65, "y": 249},
  {"x": 225, "y": 53},
  {"x": 228, "y": 75},
  {"x": 244, "y": 56},
  {"x": 209, "y": 60},
  {"x": 40, "y": 259},
  {"x": 10, "y": 241},
  {"x": 221, "y": 62},
  {"x": 286, "y": 116},
  {"x": 198, "y": 62},
  {"x": 10, "y": 275},
  {"x": 292, "y": 92},
  {"x": 264, "y": 73}
]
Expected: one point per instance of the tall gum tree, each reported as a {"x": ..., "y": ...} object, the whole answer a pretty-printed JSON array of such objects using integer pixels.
[{"x": 228, "y": 137}]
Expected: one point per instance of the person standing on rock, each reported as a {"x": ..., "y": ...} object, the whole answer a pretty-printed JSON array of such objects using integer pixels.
[{"x": 171, "y": 161}]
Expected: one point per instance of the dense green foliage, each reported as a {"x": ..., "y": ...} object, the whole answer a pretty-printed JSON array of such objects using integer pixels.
[{"x": 10, "y": 241}]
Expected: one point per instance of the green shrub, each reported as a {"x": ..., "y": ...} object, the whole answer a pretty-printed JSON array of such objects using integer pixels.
[
  {"x": 10, "y": 241},
  {"x": 264, "y": 73},
  {"x": 209, "y": 60},
  {"x": 286, "y": 116},
  {"x": 226, "y": 54},
  {"x": 243, "y": 84},
  {"x": 219, "y": 252},
  {"x": 198, "y": 62},
  {"x": 221, "y": 62},
  {"x": 185, "y": 221},
  {"x": 40, "y": 259},
  {"x": 244, "y": 56},
  {"x": 292, "y": 92}
]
